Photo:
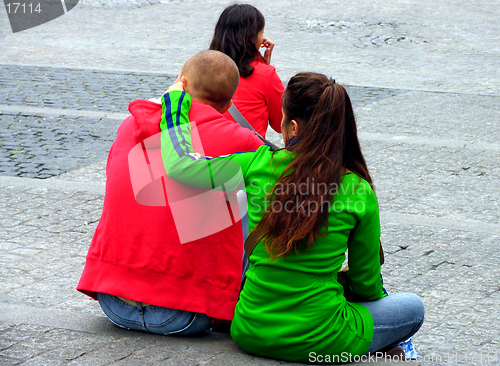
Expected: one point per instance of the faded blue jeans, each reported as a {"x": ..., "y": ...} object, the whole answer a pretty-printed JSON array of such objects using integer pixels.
[
  {"x": 395, "y": 319},
  {"x": 152, "y": 319}
]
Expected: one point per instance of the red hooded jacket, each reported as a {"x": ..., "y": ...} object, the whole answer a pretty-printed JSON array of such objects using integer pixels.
[{"x": 136, "y": 251}]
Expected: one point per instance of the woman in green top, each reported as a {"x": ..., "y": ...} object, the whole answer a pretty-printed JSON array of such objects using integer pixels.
[{"x": 310, "y": 202}]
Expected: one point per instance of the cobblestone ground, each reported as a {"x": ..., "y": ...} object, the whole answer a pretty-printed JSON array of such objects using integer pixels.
[
  {"x": 36, "y": 145},
  {"x": 425, "y": 85},
  {"x": 41, "y": 146}
]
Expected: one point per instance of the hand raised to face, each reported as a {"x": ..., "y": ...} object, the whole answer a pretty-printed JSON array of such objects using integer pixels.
[{"x": 268, "y": 45}]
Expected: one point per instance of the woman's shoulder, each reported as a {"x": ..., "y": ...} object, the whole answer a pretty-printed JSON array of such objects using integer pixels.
[
  {"x": 260, "y": 67},
  {"x": 265, "y": 158},
  {"x": 356, "y": 195},
  {"x": 273, "y": 154},
  {"x": 263, "y": 153},
  {"x": 353, "y": 184}
]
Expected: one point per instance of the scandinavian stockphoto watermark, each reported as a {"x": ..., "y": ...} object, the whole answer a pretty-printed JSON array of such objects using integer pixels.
[
  {"x": 209, "y": 196},
  {"x": 26, "y": 14},
  {"x": 202, "y": 201},
  {"x": 351, "y": 202}
]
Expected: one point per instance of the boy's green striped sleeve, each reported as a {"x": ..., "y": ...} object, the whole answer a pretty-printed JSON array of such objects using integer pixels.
[
  {"x": 175, "y": 121},
  {"x": 179, "y": 160}
]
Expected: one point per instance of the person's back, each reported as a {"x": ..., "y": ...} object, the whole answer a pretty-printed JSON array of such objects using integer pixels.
[
  {"x": 138, "y": 256},
  {"x": 258, "y": 98},
  {"x": 294, "y": 301},
  {"x": 239, "y": 34},
  {"x": 308, "y": 204}
]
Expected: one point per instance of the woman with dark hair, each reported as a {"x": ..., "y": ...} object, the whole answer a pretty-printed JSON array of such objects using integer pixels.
[
  {"x": 239, "y": 33},
  {"x": 308, "y": 205}
]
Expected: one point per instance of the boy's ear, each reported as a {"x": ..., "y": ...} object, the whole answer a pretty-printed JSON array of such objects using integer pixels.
[
  {"x": 228, "y": 105},
  {"x": 185, "y": 82}
]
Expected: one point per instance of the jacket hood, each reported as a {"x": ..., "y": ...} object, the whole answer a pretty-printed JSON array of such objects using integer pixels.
[{"x": 147, "y": 116}]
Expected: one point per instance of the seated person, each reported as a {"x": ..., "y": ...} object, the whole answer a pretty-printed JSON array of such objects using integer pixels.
[
  {"x": 239, "y": 33},
  {"x": 146, "y": 274},
  {"x": 309, "y": 204}
]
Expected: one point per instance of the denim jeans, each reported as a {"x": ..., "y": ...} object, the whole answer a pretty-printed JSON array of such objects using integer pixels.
[
  {"x": 395, "y": 318},
  {"x": 152, "y": 319}
]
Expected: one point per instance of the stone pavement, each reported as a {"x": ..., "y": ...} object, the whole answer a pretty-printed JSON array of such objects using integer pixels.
[{"x": 425, "y": 84}]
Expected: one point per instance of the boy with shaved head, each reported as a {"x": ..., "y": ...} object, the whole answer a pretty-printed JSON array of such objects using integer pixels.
[
  {"x": 211, "y": 77},
  {"x": 140, "y": 267}
]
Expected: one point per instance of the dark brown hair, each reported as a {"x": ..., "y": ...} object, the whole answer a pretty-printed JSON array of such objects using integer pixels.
[
  {"x": 326, "y": 146},
  {"x": 235, "y": 34}
]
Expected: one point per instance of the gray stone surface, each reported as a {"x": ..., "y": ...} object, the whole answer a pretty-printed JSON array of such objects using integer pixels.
[
  {"x": 425, "y": 85},
  {"x": 448, "y": 46},
  {"x": 48, "y": 111},
  {"x": 76, "y": 88},
  {"x": 41, "y": 146}
]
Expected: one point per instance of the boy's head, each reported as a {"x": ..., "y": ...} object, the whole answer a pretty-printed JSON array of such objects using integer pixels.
[{"x": 210, "y": 77}]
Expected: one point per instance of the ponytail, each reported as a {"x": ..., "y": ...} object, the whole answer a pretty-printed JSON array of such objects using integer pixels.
[{"x": 326, "y": 145}]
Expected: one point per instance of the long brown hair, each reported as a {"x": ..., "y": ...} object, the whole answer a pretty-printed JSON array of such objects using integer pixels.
[{"x": 326, "y": 146}]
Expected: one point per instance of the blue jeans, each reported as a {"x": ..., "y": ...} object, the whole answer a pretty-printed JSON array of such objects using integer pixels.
[
  {"x": 395, "y": 318},
  {"x": 152, "y": 319}
]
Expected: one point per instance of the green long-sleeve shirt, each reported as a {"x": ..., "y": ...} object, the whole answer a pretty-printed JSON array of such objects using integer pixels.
[{"x": 292, "y": 308}]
